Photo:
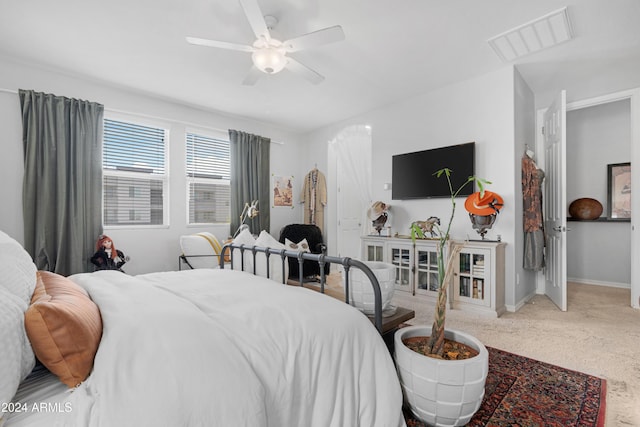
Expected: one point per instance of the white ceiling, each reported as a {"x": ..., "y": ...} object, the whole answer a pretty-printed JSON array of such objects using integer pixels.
[{"x": 393, "y": 49}]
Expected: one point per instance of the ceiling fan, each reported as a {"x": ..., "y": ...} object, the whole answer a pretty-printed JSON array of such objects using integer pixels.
[{"x": 269, "y": 55}]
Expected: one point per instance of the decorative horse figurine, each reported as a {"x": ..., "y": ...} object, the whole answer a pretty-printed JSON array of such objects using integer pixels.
[{"x": 427, "y": 226}]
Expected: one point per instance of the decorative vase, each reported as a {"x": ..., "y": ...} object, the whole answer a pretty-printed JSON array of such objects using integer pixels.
[
  {"x": 585, "y": 208},
  {"x": 361, "y": 291},
  {"x": 441, "y": 392}
]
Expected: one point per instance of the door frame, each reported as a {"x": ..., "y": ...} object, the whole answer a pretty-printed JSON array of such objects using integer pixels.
[{"x": 633, "y": 95}]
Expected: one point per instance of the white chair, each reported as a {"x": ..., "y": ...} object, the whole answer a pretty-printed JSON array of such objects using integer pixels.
[{"x": 200, "y": 250}]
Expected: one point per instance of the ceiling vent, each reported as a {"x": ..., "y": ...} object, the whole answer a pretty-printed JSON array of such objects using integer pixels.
[{"x": 542, "y": 33}]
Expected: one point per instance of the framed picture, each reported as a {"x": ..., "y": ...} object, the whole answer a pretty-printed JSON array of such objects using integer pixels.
[
  {"x": 619, "y": 190},
  {"x": 282, "y": 191}
]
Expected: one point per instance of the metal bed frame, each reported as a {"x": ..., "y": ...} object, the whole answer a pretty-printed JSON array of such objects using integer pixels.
[
  {"x": 185, "y": 259},
  {"x": 321, "y": 259}
]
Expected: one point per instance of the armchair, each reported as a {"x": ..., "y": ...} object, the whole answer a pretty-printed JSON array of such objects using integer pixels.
[
  {"x": 313, "y": 234},
  {"x": 200, "y": 250}
]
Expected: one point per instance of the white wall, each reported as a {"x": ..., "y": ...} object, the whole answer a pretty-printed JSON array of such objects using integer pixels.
[
  {"x": 150, "y": 249},
  {"x": 11, "y": 165},
  {"x": 480, "y": 110},
  {"x": 597, "y": 136},
  {"x": 590, "y": 79}
]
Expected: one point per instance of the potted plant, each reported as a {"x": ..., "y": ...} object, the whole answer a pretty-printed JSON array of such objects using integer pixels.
[{"x": 442, "y": 372}]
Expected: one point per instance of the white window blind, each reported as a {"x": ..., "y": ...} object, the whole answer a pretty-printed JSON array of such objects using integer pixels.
[
  {"x": 135, "y": 180},
  {"x": 208, "y": 179}
]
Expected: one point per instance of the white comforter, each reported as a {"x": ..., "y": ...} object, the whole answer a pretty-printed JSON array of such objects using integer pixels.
[{"x": 225, "y": 348}]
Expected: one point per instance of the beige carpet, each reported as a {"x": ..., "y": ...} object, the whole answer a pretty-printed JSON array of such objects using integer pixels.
[{"x": 598, "y": 335}]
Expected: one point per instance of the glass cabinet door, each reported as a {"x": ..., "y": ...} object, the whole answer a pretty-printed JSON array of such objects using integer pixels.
[
  {"x": 427, "y": 268},
  {"x": 374, "y": 252},
  {"x": 401, "y": 259},
  {"x": 471, "y": 277}
]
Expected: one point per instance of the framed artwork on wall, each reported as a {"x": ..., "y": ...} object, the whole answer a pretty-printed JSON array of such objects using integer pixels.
[
  {"x": 282, "y": 191},
  {"x": 619, "y": 190}
]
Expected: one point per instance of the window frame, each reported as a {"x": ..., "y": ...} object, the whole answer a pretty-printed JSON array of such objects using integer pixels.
[
  {"x": 165, "y": 177},
  {"x": 213, "y": 134}
]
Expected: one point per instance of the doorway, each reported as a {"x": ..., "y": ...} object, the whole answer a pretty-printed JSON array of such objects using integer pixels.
[
  {"x": 633, "y": 97},
  {"x": 597, "y": 251},
  {"x": 350, "y": 152}
]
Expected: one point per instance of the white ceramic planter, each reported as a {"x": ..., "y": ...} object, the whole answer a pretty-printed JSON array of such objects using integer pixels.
[
  {"x": 361, "y": 291},
  {"x": 441, "y": 392}
]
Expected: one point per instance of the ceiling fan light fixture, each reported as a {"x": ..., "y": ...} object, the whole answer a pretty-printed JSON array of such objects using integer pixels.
[
  {"x": 269, "y": 55},
  {"x": 269, "y": 60}
]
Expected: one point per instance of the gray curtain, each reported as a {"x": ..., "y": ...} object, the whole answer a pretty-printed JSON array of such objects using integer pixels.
[
  {"x": 250, "y": 178},
  {"x": 62, "y": 185}
]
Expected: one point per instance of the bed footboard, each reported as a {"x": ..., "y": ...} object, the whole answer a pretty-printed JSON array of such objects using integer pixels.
[{"x": 322, "y": 259}]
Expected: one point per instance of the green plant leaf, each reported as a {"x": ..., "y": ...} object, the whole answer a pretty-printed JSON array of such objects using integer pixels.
[
  {"x": 445, "y": 171},
  {"x": 416, "y": 232},
  {"x": 481, "y": 182},
  {"x": 480, "y": 187}
]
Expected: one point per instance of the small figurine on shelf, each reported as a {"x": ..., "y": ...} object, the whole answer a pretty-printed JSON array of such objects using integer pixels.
[
  {"x": 483, "y": 210},
  {"x": 427, "y": 226},
  {"x": 378, "y": 213},
  {"x": 107, "y": 257}
]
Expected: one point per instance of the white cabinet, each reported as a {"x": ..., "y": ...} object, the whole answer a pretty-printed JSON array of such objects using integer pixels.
[
  {"x": 373, "y": 248},
  {"x": 416, "y": 265},
  {"x": 478, "y": 280}
]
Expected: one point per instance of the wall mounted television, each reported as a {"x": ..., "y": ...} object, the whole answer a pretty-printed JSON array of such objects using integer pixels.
[{"x": 413, "y": 173}]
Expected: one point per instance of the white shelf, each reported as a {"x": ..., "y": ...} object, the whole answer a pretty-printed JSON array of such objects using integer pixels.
[
  {"x": 416, "y": 264},
  {"x": 478, "y": 281}
]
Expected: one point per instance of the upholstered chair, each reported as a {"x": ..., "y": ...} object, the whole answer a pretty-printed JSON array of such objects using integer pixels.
[{"x": 295, "y": 233}]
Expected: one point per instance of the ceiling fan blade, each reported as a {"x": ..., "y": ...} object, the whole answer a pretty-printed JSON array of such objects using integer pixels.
[
  {"x": 304, "y": 71},
  {"x": 255, "y": 18},
  {"x": 316, "y": 38},
  {"x": 252, "y": 77},
  {"x": 223, "y": 45}
]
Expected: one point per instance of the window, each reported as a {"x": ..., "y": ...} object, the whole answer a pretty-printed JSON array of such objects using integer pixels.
[
  {"x": 208, "y": 179},
  {"x": 135, "y": 181}
]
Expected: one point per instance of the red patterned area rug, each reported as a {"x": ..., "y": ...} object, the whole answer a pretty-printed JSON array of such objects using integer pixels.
[{"x": 524, "y": 392}]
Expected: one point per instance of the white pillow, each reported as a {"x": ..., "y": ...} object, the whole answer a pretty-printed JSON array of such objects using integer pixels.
[
  {"x": 16, "y": 356},
  {"x": 266, "y": 240},
  {"x": 17, "y": 282},
  {"x": 17, "y": 270},
  {"x": 244, "y": 238},
  {"x": 301, "y": 246}
]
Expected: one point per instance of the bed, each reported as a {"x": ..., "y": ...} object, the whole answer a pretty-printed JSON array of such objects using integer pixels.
[{"x": 208, "y": 347}]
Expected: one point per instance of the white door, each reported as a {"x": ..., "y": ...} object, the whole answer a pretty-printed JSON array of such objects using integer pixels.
[
  {"x": 555, "y": 201},
  {"x": 352, "y": 158},
  {"x": 350, "y": 213}
]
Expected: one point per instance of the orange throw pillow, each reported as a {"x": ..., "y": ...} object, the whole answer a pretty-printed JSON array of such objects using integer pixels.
[{"x": 64, "y": 327}]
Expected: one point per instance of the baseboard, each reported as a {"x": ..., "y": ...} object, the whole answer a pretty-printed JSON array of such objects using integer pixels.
[
  {"x": 599, "y": 283},
  {"x": 520, "y": 304}
]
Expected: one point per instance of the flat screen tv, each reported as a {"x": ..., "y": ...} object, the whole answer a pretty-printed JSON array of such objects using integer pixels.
[{"x": 413, "y": 173}]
